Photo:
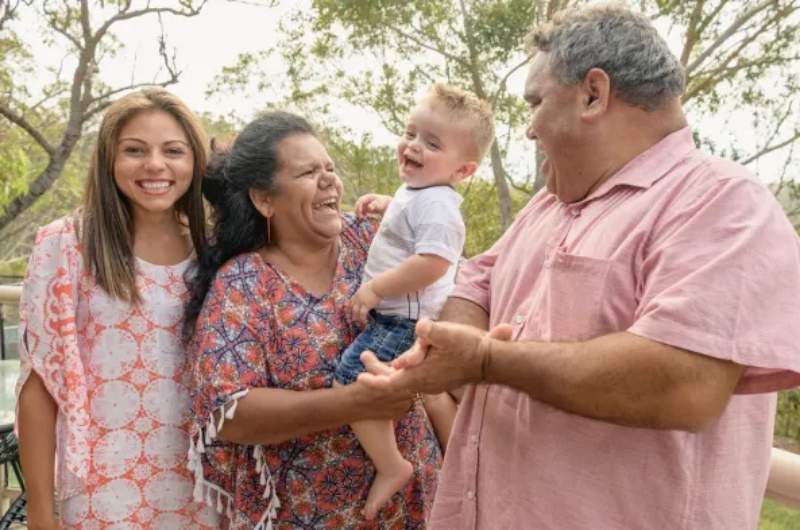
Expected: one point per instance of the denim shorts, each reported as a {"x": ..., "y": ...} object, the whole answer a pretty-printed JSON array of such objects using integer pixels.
[{"x": 387, "y": 336}]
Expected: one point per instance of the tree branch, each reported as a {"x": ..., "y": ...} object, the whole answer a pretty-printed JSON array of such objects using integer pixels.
[
  {"x": 61, "y": 27},
  {"x": 124, "y": 14},
  {"x": 426, "y": 46},
  {"x": 771, "y": 148},
  {"x": 8, "y": 11},
  {"x": 722, "y": 70},
  {"x": 502, "y": 84},
  {"x": 728, "y": 33},
  {"x": 26, "y": 126},
  {"x": 692, "y": 31},
  {"x": 782, "y": 179},
  {"x": 711, "y": 16}
]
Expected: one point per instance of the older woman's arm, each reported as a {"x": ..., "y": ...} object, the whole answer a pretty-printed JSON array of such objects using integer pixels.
[{"x": 271, "y": 415}]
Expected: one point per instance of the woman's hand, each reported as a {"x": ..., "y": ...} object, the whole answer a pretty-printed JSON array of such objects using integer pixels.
[
  {"x": 378, "y": 403},
  {"x": 372, "y": 204},
  {"x": 363, "y": 301}
]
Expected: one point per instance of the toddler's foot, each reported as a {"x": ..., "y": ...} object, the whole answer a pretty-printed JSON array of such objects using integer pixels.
[{"x": 384, "y": 486}]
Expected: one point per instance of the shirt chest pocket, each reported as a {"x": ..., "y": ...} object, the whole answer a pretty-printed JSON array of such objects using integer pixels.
[{"x": 580, "y": 297}]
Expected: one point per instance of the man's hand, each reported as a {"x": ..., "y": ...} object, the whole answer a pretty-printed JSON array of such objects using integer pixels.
[
  {"x": 372, "y": 203},
  {"x": 456, "y": 355},
  {"x": 363, "y": 301}
]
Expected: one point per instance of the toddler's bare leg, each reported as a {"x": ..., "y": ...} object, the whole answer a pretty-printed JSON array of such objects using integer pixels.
[{"x": 392, "y": 470}]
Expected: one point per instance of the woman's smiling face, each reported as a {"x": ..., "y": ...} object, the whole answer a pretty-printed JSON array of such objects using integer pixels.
[
  {"x": 153, "y": 163},
  {"x": 306, "y": 201}
]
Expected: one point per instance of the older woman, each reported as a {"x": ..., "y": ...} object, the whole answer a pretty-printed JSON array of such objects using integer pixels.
[{"x": 271, "y": 445}]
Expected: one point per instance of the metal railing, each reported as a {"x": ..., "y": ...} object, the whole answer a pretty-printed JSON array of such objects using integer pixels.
[
  {"x": 9, "y": 295},
  {"x": 784, "y": 476}
]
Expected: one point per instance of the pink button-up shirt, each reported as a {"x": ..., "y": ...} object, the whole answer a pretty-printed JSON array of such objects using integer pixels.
[{"x": 678, "y": 247}]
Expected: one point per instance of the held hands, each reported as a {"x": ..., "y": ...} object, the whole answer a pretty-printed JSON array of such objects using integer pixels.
[
  {"x": 372, "y": 203},
  {"x": 377, "y": 403},
  {"x": 363, "y": 301},
  {"x": 445, "y": 356}
]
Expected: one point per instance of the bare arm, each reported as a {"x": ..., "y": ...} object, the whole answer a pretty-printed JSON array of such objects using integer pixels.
[
  {"x": 37, "y": 447},
  {"x": 414, "y": 273},
  {"x": 463, "y": 311},
  {"x": 270, "y": 415},
  {"x": 784, "y": 478},
  {"x": 622, "y": 378}
]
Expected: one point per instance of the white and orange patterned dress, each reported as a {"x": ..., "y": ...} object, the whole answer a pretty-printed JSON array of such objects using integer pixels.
[{"x": 118, "y": 375}]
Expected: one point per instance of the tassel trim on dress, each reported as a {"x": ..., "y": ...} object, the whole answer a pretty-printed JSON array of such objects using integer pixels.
[{"x": 213, "y": 495}]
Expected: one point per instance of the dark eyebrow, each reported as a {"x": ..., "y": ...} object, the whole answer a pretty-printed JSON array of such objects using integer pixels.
[
  {"x": 134, "y": 139},
  {"x": 131, "y": 139}
]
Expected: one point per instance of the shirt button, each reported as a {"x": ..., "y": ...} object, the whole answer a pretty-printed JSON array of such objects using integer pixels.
[
  {"x": 474, "y": 439},
  {"x": 575, "y": 211},
  {"x": 470, "y": 494},
  {"x": 519, "y": 319}
]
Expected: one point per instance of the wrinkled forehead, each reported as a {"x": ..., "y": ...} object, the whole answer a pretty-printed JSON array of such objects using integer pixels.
[
  {"x": 301, "y": 149},
  {"x": 539, "y": 75}
]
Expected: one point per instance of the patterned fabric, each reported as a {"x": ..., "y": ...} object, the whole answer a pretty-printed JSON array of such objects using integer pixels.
[
  {"x": 118, "y": 375},
  {"x": 258, "y": 328}
]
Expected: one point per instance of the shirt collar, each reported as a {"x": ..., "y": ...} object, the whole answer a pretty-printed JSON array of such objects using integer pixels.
[{"x": 649, "y": 166}]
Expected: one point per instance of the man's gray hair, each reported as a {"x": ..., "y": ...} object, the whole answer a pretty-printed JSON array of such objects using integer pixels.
[{"x": 625, "y": 45}]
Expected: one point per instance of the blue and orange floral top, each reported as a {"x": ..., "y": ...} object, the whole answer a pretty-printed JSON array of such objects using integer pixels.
[{"x": 259, "y": 329}]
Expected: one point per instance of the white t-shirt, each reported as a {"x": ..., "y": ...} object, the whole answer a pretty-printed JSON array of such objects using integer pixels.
[{"x": 418, "y": 221}]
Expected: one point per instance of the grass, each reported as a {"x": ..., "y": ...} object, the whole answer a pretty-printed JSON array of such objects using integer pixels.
[{"x": 775, "y": 516}]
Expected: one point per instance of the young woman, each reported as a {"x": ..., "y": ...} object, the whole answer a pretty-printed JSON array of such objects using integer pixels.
[{"x": 103, "y": 405}]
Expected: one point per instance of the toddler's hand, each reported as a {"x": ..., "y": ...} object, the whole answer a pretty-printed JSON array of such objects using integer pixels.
[
  {"x": 372, "y": 203},
  {"x": 363, "y": 301}
]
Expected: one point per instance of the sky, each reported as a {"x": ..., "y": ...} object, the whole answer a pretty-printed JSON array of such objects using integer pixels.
[{"x": 225, "y": 29}]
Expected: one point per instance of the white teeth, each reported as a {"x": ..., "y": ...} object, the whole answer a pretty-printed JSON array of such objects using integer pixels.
[
  {"x": 148, "y": 185},
  {"x": 330, "y": 203}
]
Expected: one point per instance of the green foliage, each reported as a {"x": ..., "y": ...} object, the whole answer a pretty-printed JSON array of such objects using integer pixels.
[
  {"x": 14, "y": 268},
  {"x": 362, "y": 167},
  {"x": 787, "y": 419},
  {"x": 775, "y": 516},
  {"x": 14, "y": 166}
]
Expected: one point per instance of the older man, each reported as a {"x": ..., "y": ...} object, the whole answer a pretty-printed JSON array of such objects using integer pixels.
[{"x": 654, "y": 297}]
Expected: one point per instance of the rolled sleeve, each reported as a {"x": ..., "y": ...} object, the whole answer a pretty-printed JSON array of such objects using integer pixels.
[{"x": 721, "y": 279}]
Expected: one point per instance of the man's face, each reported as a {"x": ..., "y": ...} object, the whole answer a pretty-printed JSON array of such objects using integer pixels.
[{"x": 555, "y": 125}]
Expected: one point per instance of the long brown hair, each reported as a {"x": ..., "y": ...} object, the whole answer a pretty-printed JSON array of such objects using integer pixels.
[{"x": 106, "y": 227}]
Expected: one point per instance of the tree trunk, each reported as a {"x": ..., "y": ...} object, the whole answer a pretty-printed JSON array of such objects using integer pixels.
[
  {"x": 503, "y": 193},
  {"x": 42, "y": 183}
]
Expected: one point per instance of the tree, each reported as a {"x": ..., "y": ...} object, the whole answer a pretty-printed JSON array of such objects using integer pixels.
[
  {"x": 83, "y": 29},
  {"x": 741, "y": 58},
  {"x": 379, "y": 54}
]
